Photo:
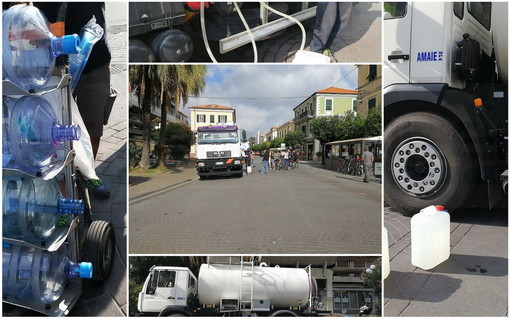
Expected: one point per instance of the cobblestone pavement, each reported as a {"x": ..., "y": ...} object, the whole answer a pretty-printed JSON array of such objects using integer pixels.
[
  {"x": 109, "y": 298},
  {"x": 308, "y": 210},
  {"x": 472, "y": 282},
  {"x": 360, "y": 42}
]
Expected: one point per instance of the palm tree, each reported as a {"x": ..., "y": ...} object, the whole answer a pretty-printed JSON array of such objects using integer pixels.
[
  {"x": 145, "y": 78},
  {"x": 177, "y": 83}
]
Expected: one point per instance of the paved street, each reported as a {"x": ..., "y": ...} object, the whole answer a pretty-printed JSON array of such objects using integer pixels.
[
  {"x": 309, "y": 210},
  {"x": 472, "y": 282}
]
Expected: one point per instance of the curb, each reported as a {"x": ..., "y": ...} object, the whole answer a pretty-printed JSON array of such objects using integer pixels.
[{"x": 151, "y": 194}]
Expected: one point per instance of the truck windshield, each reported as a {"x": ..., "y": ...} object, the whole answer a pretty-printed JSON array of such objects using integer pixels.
[{"x": 217, "y": 137}]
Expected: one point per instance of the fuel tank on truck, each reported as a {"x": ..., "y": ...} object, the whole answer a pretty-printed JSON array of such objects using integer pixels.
[{"x": 283, "y": 287}]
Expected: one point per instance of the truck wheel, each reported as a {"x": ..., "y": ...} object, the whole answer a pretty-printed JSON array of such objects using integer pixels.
[
  {"x": 99, "y": 248},
  {"x": 427, "y": 162}
]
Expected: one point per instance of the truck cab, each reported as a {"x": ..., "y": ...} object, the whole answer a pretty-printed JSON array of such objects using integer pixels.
[
  {"x": 219, "y": 150},
  {"x": 421, "y": 39},
  {"x": 167, "y": 290}
]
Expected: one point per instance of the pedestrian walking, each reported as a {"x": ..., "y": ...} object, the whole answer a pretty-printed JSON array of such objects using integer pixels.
[
  {"x": 331, "y": 19},
  {"x": 248, "y": 161},
  {"x": 286, "y": 159},
  {"x": 265, "y": 162},
  {"x": 368, "y": 160}
]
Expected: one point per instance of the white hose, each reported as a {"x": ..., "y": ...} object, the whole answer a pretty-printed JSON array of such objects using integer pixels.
[
  {"x": 290, "y": 18},
  {"x": 255, "y": 53},
  {"x": 204, "y": 34}
]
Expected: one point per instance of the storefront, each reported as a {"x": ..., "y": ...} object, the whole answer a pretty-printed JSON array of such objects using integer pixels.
[
  {"x": 348, "y": 300},
  {"x": 353, "y": 148}
]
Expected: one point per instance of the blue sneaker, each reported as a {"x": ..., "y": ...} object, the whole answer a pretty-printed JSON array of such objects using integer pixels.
[{"x": 98, "y": 188}]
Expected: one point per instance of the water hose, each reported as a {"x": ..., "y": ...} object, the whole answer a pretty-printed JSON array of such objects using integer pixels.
[
  {"x": 204, "y": 34},
  {"x": 290, "y": 18},
  {"x": 254, "y": 44}
]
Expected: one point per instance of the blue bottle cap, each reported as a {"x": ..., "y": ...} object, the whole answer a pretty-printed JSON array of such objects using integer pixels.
[
  {"x": 85, "y": 270},
  {"x": 70, "y": 43}
]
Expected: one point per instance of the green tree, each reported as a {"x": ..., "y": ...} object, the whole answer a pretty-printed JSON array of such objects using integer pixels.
[
  {"x": 177, "y": 83},
  {"x": 144, "y": 78},
  {"x": 276, "y": 143},
  {"x": 295, "y": 139},
  {"x": 373, "y": 123},
  {"x": 350, "y": 126},
  {"x": 326, "y": 128},
  {"x": 179, "y": 138}
]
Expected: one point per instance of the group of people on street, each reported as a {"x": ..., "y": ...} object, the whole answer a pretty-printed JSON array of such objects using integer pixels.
[{"x": 278, "y": 160}]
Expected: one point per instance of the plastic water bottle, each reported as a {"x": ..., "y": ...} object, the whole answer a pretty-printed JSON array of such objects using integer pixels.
[
  {"x": 385, "y": 254},
  {"x": 35, "y": 134},
  {"x": 38, "y": 275},
  {"x": 430, "y": 237},
  {"x": 29, "y": 48},
  {"x": 89, "y": 35},
  {"x": 33, "y": 207}
]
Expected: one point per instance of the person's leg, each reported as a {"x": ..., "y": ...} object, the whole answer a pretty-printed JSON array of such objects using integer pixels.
[
  {"x": 325, "y": 19},
  {"x": 92, "y": 94},
  {"x": 342, "y": 16},
  {"x": 365, "y": 173}
]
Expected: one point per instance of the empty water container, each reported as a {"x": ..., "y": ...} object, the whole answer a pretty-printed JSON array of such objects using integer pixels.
[
  {"x": 29, "y": 48},
  {"x": 35, "y": 134},
  {"x": 33, "y": 274},
  {"x": 430, "y": 237},
  {"x": 385, "y": 254},
  {"x": 34, "y": 207},
  {"x": 89, "y": 35}
]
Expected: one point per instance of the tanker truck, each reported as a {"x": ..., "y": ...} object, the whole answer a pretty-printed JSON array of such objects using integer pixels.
[
  {"x": 445, "y": 104},
  {"x": 219, "y": 150},
  {"x": 241, "y": 289}
]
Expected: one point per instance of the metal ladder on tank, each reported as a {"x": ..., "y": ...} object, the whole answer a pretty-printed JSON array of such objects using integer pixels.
[{"x": 246, "y": 285}]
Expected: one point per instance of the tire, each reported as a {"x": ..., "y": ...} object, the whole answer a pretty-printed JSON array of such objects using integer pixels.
[
  {"x": 427, "y": 162},
  {"x": 99, "y": 249}
]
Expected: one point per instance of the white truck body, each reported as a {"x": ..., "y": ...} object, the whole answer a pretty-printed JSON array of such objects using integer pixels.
[
  {"x": 227, "y": 289},
  {"x": 445, "y": 68}
]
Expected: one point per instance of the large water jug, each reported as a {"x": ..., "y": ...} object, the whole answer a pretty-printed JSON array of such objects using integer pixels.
[
  {"x": 430, "y": 237},
  {"x": 385, "y": 254},
  {"x": 35, "y": 207},
  {"x": 33, "y": 274},
  {"x": 29, "y": 48},
  {"x": 35, "y": 134},
  {"x": 89, "y": 35}
]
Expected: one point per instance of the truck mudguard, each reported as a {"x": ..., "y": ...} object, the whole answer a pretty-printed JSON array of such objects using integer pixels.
[
  {"x": 175, "y": 309},
  {"x": 459, "y": 104}
]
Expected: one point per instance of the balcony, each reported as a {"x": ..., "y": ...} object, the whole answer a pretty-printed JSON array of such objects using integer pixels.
[{"x": 303, "y": 117}]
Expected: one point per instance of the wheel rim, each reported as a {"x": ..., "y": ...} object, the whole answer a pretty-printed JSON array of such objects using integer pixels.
[{"x": 418, "y": 166}]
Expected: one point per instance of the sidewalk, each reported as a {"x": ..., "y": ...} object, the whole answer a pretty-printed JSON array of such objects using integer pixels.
[
  {"x": 109, "y": 298},
  {"x": 373, "y": 179},
  {"x": 472, "y": 282},
  {"x": 143, "y": 185}
]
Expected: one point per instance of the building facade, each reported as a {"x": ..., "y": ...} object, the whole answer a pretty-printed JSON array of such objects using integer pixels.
[
  {"x": 369, "y": 88},
  {"x": 328, "y": 102},
  {"x": 284, "y": 129},
  {"x": 210, "y": 114}
]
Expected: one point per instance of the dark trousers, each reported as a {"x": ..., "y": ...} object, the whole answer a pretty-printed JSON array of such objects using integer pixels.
[{"x": 331, "y": 18}]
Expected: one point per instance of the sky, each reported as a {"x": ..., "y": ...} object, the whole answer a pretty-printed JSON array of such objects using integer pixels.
[{"x": 265, "y": 95}]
